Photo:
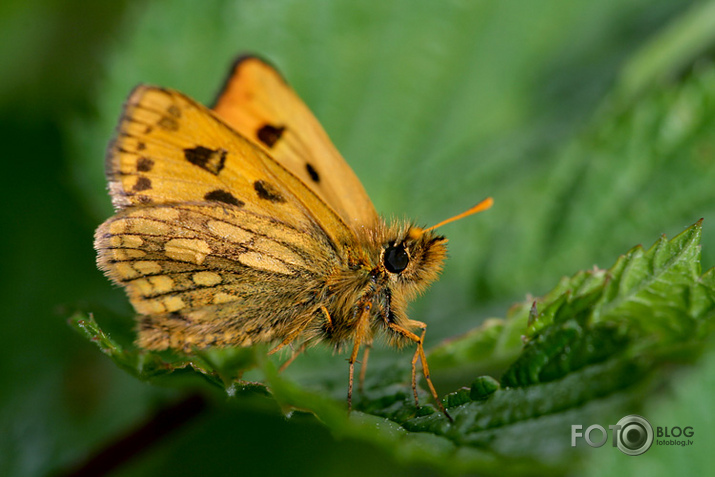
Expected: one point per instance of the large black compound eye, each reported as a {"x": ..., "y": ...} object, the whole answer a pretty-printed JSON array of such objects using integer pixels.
[{"x": 396, "y": 258}]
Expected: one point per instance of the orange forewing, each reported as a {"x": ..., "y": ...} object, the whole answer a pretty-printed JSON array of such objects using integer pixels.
[
  {"x": 257, "y": 102},
  {"x": 171, "y": 149}
]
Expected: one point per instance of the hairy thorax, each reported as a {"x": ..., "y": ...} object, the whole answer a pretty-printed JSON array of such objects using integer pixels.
[{"x": 371, "y": 287}]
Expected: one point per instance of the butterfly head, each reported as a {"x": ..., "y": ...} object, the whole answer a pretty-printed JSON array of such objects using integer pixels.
[{"x": 414, "y": 259}]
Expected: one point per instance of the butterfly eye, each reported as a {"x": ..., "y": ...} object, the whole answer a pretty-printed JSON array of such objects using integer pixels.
[{"x": 396, "y": 258}]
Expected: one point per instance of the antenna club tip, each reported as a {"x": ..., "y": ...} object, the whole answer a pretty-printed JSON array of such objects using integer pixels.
[{"x": 485, "y": 204}]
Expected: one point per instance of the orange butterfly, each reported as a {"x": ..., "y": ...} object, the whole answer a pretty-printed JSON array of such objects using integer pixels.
[{"x": 244, "y": 225}]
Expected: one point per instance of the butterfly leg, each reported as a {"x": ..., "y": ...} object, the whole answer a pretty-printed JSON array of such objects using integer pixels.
[
  {"x": 420, "y": 355},
  {"x": 410, "y": 335},
  {"x": 283, "y": 344},
  {"x": 363, "y": 366},
  {"x": 415, "y": 357},
  {"x": 360, "y": 329},
  {"x": 288, "y": 341},
  {"x": 353, "y": 358},
  {"x": 293, "y": 355},
  {"x": 328, "y": 320}
]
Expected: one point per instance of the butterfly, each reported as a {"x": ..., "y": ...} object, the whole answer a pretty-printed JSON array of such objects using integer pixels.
[{"x": 242, "y": 224}]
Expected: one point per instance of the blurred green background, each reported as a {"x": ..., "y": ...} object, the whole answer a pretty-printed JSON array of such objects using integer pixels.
[{"x": 590, "y": 123}]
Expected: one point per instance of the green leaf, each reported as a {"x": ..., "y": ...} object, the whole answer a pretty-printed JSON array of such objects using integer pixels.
[
  {"x": 596, "y": 348},
  {"x": 222, "y": 368}
]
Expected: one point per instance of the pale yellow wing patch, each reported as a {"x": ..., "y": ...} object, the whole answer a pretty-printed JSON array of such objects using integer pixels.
[
  {"x": 213, "y": 269},
  {"x": 257, "y": 102},
  {"x": 183, "y": 249}
]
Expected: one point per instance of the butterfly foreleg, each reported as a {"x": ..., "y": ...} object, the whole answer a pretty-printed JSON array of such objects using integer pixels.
[
  {"x": 419, "y": 355},
  {"x": 413, "y": 337}
]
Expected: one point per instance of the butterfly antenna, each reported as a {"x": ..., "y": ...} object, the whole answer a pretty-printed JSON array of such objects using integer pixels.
[{"x": 482, "y": 206}]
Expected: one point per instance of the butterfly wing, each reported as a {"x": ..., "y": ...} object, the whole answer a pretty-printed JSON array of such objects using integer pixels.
[
  {"x": 211, "y": 232},
  {"x": 257, "y": 102},
  {"x": 171, "y": 149}
]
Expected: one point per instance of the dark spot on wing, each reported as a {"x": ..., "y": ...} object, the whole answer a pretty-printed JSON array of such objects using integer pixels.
[
  {"x": 312, "y": 172},
  {"x": 207, "y": 159},
  {"x": 267, "y": 191},
  {"x": 167, "y": 123},
  {"x": 143, "y": 183},
  {"x": 269, "y": 135},
  {"x": 174, "y": 111},
  {"x": 144, "y": 164},
  {"x": 141, "y": 146},
  {"x": 220, "y": 195}
]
